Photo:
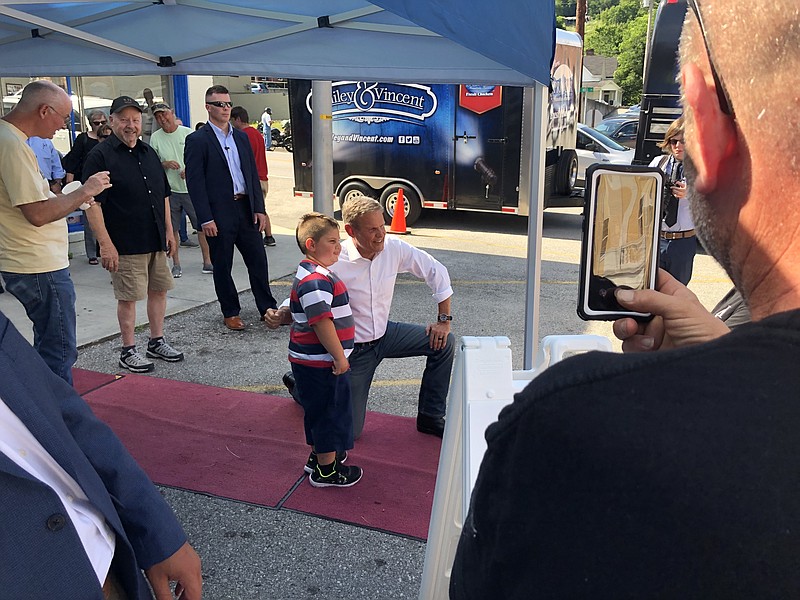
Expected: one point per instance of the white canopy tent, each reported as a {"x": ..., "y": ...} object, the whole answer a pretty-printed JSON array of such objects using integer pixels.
[{"x": 506, "y": 42}]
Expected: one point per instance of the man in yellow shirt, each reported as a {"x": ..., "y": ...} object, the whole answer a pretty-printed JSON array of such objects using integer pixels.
[{"x": 33, "y": 229}]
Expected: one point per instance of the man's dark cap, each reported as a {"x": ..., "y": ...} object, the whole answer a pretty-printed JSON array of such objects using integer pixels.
[
  {"x": 159, "y": 107},
  {"x": 124, "y": 102}
]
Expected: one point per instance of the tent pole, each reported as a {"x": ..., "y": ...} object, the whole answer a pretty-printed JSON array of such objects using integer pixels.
[
  {"x": 322, "y": 146},
  {"x": 536, "y": 170}
]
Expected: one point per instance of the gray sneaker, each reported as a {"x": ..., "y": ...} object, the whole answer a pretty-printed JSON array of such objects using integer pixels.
[
  {"x": 208, "y": 269},
  {"x": 177, "y": 271},
  {"x": 135, "y": 362},
  {"x": 189, "y": 244},
  {"x": 161, "y": 349}
]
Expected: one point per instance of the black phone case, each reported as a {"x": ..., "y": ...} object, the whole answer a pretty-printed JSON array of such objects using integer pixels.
[{"x": 583, "y": 290}]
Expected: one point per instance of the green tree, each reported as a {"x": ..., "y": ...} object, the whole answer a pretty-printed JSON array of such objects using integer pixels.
[
  {"x": 628, "y": 75},
  {"x": 604, "y": 33},
  {"x": 595, "y": 7},
  {"x": 565, "y": 8}
]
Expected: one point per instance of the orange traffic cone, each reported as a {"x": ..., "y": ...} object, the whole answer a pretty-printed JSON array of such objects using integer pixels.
[{"x": 399, "y": 217}]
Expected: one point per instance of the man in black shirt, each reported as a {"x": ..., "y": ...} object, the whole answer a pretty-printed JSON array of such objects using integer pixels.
[
  {"x": 673, "y": 474},
  {"x": 134, "y": 230}
]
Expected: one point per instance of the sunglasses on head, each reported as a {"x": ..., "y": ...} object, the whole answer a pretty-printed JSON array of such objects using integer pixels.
[
  {"x": 220, "y": 104},
  {"x": 724, "y": 101}
]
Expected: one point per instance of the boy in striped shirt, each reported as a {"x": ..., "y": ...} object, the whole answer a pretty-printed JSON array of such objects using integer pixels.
[{"x": 321, "y": 339}]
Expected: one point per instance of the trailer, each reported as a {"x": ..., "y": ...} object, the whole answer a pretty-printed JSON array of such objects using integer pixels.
[{"x": 448, "y": 147}]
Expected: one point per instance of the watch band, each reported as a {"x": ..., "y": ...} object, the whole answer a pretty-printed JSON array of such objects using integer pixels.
[{"x": 445, "y": 317}]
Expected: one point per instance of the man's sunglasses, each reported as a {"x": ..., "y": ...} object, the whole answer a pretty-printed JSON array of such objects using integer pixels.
[
  {"x": 220, "y": 104},
  {"x": 722, "y": 95}
]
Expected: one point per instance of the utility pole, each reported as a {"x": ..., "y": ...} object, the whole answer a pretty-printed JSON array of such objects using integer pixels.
[{"x": 580, "y": 17}]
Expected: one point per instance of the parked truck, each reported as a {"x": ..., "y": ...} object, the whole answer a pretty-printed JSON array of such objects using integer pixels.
[
  {"x": 448, "y": 147},
  {"x": 661, "y": 96}
]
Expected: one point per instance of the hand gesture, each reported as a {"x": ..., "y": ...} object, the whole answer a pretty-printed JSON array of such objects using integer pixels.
[
  {"x": 109, "y": 257},
  {"x": 210, "y": 229},
  {"x": 97, "y": 183},
  {"x": 680, "y": 319},
  {"x": 438, "y": 333},
  {"x": 183, "y": 567},
  {"x": 340, "y": 365}
]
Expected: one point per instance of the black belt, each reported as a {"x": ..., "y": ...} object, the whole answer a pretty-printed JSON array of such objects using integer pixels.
[
  {"x": 359, "y": 345},
  {"x": 240, "y": 196}
]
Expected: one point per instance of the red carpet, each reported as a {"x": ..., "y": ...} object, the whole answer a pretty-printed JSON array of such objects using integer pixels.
[
  {"x": 250, "y": 447},
  {"x": 85, "y": 381}
]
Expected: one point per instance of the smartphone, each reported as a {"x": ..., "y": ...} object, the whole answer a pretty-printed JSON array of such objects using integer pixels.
[{"x": 621, "y": 224}]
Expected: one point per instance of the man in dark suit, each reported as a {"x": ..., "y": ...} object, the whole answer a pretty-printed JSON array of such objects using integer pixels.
[
  {"x": 223, "y": 183},
  {"x": 80, "y": 519}
]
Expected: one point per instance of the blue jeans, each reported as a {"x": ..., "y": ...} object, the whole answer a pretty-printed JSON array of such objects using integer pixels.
[
  {"x": 402, "y": 340},
  {"x": 677, "y": 257},
  {"x": 49, "y": 301}
]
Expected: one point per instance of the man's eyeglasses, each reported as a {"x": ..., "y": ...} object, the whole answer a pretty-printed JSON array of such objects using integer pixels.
[
  {"x": 220, "y": 104},
  {"x": 722, "y": 95},
  {"x": 58, "y": 113},
  {"x": 676, "y": 142}
]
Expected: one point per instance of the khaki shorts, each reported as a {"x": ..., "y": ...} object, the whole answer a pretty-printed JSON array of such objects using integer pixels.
[
  {"x": 264, "y": 190},
  {"x": 140, "y": 273}
]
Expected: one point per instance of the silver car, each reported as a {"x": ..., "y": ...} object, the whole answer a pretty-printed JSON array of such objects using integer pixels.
[{"x": 594, "y": 147}]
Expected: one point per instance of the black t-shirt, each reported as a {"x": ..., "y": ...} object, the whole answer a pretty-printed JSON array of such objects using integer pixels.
[
  {"x": 133, "y": 207},
  {"x": 673, "y": 474}
]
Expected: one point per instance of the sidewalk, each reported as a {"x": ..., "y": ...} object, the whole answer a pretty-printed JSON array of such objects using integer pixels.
[{"x": 97, "y": 310}]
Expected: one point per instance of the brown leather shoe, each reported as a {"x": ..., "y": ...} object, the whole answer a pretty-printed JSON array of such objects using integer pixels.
[{"x": 234, "y": 323}]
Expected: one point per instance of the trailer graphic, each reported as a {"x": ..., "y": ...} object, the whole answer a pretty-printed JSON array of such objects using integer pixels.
[{"x": 450, "y": 147}]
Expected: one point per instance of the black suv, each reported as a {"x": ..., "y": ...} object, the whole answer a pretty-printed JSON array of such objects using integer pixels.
[{"x": 622, "y": 130}]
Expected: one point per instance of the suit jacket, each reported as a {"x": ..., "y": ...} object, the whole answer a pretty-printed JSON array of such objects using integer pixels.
[
  {"x": 42, "y": 555},
  {"x": 209, "y": 179}
]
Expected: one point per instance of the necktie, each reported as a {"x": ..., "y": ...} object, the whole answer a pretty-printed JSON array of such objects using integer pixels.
[{"x": 671, "y": 211}]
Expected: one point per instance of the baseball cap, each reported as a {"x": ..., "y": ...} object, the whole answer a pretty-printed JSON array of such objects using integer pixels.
[
  {"x": 159, "y": 107},
  {"x": 124, "y": 102}
]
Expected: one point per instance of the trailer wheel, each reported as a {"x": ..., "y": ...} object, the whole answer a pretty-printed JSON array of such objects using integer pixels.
[
  {"x": 566, "y": 172},
  {"x": 354, "y": 189},
  {"x": 411, "y": 203}
]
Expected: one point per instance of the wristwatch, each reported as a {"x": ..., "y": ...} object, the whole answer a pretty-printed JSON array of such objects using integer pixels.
[{"x": 443, "y": 318}]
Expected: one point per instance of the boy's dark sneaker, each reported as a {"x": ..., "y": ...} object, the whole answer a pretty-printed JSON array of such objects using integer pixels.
[
  {"x": 342, "y": 476},
  {"x": 311, "y": 463}
]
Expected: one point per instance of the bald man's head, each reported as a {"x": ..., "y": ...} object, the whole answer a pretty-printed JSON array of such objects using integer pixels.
[{"x": 42, "y": 92}]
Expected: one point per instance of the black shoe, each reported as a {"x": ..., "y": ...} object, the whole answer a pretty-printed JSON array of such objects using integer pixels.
[
  {"x": 288, "y": 381},
  {"x": 311, "y": 463},
  {"x": 341, "y": 476},
  {"x": 430, "y": 425},
  {"x": 269, "y": 240}
]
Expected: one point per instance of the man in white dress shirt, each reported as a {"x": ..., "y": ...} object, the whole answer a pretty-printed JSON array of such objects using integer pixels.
[{"x": 369, "y": 264}]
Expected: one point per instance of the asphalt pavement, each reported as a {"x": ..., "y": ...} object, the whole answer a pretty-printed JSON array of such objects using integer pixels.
[{"x": 255, "y": 552}]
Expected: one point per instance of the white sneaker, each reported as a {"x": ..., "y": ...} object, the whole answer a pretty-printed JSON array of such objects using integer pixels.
[
  {"x": 135, "y": 362},
  {"x": 161, "y": 349}
]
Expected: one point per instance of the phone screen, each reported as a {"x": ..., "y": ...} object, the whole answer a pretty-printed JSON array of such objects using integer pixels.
[{"x": 620, "y": 244}]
